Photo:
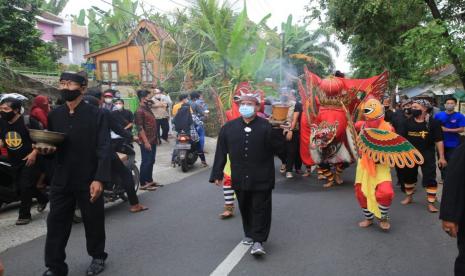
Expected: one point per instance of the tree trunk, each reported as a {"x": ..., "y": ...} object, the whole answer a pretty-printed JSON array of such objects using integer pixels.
[{"x": 455, "y": 59}]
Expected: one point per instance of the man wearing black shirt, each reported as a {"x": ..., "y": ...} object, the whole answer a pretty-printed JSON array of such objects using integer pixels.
[
  {"x": 15, "y": 136},
  {"x": 247, "y": 141},
  {"x": 124, "y": 116},
  {"x": 425, "y": 134},
  {"x": 83, "y": 163}
]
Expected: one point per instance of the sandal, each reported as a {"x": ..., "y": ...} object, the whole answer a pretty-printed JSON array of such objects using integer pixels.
[
  {"x": 148, "y": 187},
  {"x": 155, "y": 184},
  {"x": 306, "y": 174},
  {"x": 139, "y": 208}
]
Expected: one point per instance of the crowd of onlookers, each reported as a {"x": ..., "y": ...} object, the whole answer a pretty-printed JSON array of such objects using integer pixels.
[
  {"x": 151, "y": 124},
  {"x": 435, "y": 133}
]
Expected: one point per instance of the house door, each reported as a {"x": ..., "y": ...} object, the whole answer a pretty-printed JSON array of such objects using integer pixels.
[{"x": 147, "y": 71}]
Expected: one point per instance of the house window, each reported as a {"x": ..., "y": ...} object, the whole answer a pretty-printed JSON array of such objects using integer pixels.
[
  {"x": 109, "y": 70},
  {"x": 147, "y": 71}
]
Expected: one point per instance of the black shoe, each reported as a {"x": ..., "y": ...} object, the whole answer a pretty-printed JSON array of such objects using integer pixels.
[
  {"x": 96, "y": 267},
  {"x": 23, "y": 221},
  {"x": 49, "y": 273}
]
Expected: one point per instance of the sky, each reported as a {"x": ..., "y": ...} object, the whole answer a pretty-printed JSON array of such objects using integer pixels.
[{"x": 256, "y": 9}]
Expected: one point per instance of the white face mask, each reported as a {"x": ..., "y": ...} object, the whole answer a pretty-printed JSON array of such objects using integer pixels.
[
  {"x": 108, "y": 100},
  {"x": 119, "y": 106}
]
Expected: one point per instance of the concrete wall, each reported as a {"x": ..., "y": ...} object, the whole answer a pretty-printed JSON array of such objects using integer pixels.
[
  {"x": 47, "y": 31},
  {"x": 79, "y": 50}
]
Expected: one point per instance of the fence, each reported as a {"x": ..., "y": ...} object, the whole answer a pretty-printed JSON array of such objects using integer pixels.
[{"x": 131, "y": 104}]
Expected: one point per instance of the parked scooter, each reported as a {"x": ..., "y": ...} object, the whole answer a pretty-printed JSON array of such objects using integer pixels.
[
  {"x": 114, "y": 190},
  {"x": 185, "y": 153},
  {"x": 8, "y": 189}
]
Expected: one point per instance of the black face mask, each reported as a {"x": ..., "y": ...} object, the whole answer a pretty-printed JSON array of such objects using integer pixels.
[
  {"x": 408, "y": 111},
  {"x": 7, "y": 116},
  {"x": 416, "y": 113},
  {"x": 70, "y": 95},
  {"x": 149, "y": 103}
]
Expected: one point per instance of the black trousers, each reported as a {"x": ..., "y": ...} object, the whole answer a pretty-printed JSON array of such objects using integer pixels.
[
  {"x": 428, "y": 169},
  {"x": 278, "y": 143},
  {"x": 27, "y": 177},
  {"x": 448, "y": 152},
  {"x": 459, "y": 267},
  {"x": 163, "y": 128},
  {"x": 400, "y": 178},
  {"x": 125, "y": 176},
  {"x": 255, "y": 207},
  {"x": 60, "y": 220},
  {"x": 292, "y": 152}
]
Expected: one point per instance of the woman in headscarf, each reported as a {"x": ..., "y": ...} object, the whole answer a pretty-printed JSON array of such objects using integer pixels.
[{"x": 40, "y": 109}]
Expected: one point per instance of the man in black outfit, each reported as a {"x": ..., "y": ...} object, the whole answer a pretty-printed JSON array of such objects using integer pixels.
[
  {"x": 247, "y": 141},
  {"x": 425, "y": 134},
  {"x": 83, "y": 163},
  {"x": 14, "y": 135},
  {"x": 453, "y": 205}
]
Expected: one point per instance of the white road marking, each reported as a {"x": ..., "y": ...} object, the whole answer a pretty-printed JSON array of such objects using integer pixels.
[{"x": 228, "y": 264}]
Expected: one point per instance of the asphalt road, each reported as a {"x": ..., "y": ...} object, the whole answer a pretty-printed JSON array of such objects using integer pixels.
[{"x": 314, "y": 232}]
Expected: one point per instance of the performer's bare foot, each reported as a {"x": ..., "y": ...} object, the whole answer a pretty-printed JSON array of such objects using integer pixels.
[
  {"x": 365, "y": 223},
  {"x": 407, "y": 200},
  {"x": 321, "y": 177},
  {"x": 432, "y": 208},
  {"x": 227, "y": 213},
  {"x": 306, "y": 174},
  {"x": 384, "y": 225},
  {"x": 338, "y": 179},
  {"x": 329, "y": 184}
]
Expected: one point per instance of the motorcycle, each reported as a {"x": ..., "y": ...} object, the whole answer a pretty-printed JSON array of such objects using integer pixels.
[
  {"x": 114, "y": 190},
  {"x": 185, "y": 154},
  {"x": 8, "y": 190}
]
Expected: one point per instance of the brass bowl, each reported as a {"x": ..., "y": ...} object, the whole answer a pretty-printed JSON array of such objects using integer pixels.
[
  {"x": 46, "y": 138},
  {"x": 279, "y": 112}
]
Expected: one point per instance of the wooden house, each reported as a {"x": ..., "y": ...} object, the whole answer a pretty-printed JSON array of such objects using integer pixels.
[{"x": 138, "y": 57}]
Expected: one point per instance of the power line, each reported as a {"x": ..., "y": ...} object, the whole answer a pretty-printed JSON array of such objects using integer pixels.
[
  {"x": 111, "y": 4},
  {"x": 177, "y": 3},
  {"x": 154, "y": 7}
]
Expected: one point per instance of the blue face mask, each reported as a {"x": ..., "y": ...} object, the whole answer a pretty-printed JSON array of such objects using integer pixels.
[{"x": 247, "y": 111}]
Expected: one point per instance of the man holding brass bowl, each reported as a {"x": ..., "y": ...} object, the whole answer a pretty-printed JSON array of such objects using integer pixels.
[{"x": 82, "y": 164}]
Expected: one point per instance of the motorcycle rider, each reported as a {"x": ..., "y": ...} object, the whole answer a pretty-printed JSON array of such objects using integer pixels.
[
  {"x": 186, "y": 122},
  {"x": 117, "y": 166},
  {"x": 15, "y": 137}
]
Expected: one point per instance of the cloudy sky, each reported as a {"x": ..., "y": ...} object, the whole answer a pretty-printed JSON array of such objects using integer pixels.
[{"x": 256, "y": 9}]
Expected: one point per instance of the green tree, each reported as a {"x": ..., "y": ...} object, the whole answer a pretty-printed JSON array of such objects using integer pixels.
[
  {"x": 18, "y": 34},
  {"x": 110, "y": 27},
  {"x": 408, "y": 38},
  {"x": 231, "y": 47},
  {"x": 80, "y": 19},
  {"x": 54, "y": 6}
]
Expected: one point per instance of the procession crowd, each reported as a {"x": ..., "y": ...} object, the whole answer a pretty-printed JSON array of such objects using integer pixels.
[
  {"x": 74, "y": 174},
  {"x": 97, "y": 126},
  {"x": 413, "y": 136}
]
